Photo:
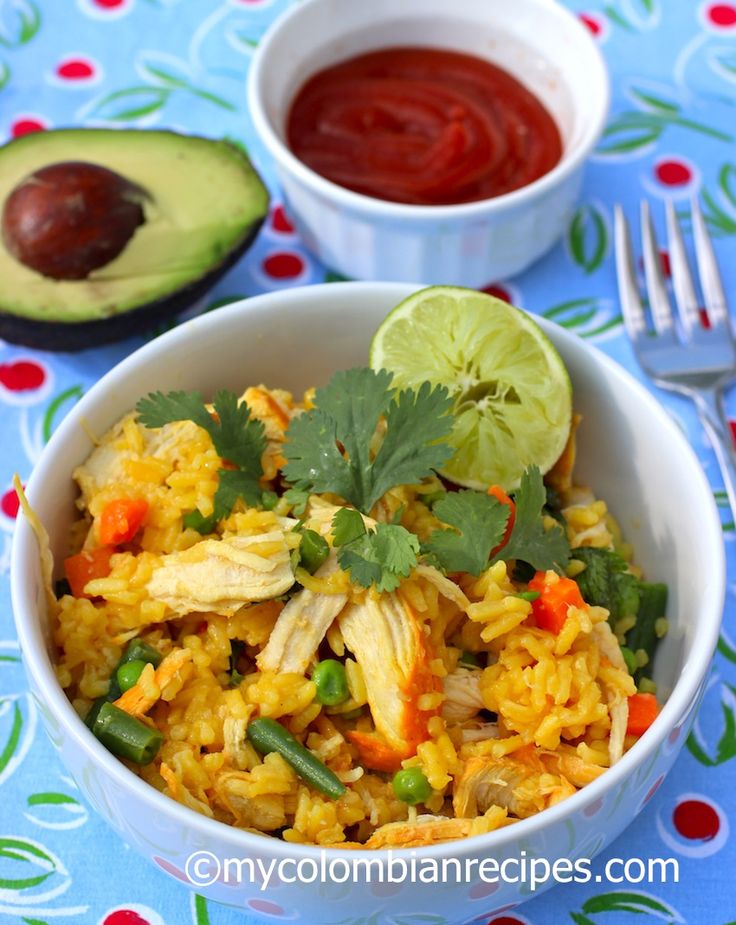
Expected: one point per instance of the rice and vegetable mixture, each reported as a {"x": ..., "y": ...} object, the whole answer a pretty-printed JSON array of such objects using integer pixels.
[{"x": 279, "y": 615}]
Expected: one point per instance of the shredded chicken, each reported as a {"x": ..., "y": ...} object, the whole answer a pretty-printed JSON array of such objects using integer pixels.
[
  {"x": 462, "y": 695},
  {"x": 302, "y": 626},
  {"x": 520, "y": 783},
  {"x": 428, "y": 830},
  {"x": 234, "y": 738},
  {"x": 474, "y": 731},
  {"x": 235, "y": 791},
  {"x": 139, "y": 698},
  {"x": 219, "y": 576},
  {"x": 273, "y": 407},
  {"x": 387, "y": 641},
  {"x": 566, "y": 762},
  {"x": 618, "y": 703},
  {"x": 106, "y": 464}
]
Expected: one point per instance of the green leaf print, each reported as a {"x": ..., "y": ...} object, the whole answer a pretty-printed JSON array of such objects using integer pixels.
[
  {"x": 589, "y": 316},
  {"x": 200, "y": 913},
  {"x": 20, "y": 21},
  {"x": 49, "y": 798},
  {"x": 24, "y": 851},
  {"x": 721, "y": 216},
  {"x": 14, "y": 736},
  {"x": 726, "y": 746},
  {"x": 634, "y": 130},
  {"x": 726, "y": 649},
  {"x": 130, "y": 103},
  {"x": 49, "y": 419},
  {"x": 587, "y": 237},
  {"x": 637, "y": 903},
  {"x": 581, "y": 919}
]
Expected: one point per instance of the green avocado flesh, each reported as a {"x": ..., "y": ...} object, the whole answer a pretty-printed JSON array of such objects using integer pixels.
[{"x": 205, "y": 203}]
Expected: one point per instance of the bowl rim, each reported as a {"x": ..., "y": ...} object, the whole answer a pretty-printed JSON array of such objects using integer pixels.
[
  {"x": 355, "y": 202},
  {"x": 39, "y": 667}
]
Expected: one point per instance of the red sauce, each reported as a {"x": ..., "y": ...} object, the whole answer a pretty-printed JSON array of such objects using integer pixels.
[{"x": 423, "y": 126}]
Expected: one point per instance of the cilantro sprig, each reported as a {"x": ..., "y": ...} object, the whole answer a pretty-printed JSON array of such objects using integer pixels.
[
  {"x": 237, "y": 438},
  {"x": 330, "y": 447},
  {"x": 477, "y": 523},
  {"x": 380, "y": 556},
  {"x": 530, "y": 540}
]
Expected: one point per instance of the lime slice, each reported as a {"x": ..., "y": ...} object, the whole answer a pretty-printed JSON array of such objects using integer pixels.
[{"x": 513, "y": 396}]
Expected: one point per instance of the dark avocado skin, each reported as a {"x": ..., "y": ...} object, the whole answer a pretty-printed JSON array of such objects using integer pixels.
[{"x": 71, "y": 338}]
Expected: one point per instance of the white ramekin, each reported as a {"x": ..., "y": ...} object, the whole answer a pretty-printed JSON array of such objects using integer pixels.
[{"x": 538, "y": 41}]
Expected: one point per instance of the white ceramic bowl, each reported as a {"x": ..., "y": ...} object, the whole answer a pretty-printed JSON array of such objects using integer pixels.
[
  {"x": 630, "y": 452},
  {"x": 538, "y": 41}
]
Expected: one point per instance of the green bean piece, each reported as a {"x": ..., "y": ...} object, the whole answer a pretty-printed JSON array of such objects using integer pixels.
[
  {"x": 126, "y": 736},
  {"x": 411, "y": 786},
  {"x": 266, "y": 735},
  {"x": 313, "y": 550},
  {"x": 140, "y": 651},
  {"x": 331, "y": 682},
  {"x": 137, "y": 651},
  {"x": 129, "y": 672},
  {"x": 89, "y": 719},
  {"x": 643, "y": 635},
  {"x": 113, "y": 691}
]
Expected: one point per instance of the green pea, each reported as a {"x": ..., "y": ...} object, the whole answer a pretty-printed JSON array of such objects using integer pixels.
[
  {"x": 129, "y": 672},
  {"x": 331, "y": 681},
  {"x": 313, "y": 550},
  {"x": 411, "y": 786}
]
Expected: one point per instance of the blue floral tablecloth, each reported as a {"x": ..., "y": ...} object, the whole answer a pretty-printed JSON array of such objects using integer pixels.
[{"x": 181, "y": 64}]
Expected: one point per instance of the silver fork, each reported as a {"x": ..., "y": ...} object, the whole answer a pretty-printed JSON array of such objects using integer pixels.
[{"x": 684, "y": 357}]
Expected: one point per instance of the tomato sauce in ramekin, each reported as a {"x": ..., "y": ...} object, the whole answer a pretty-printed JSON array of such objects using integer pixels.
[{"x": 425, "y": 126}]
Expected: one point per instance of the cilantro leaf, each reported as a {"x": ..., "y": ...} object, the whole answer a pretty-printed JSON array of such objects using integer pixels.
[
  {"x": 298, "y": 498},
  {"x": 195, "y": 520},
  {"x": 234, "y": 484},
  {"x": 157, "y": 409},
  {"x": 416, "y": 422},
  {"x": 347, "y": 525},
  {"x": 380, "y": 557},
  {"x": 479, "y": 521},
  {"x": 328, "y": 448},
  {"x": 529, "y": 541},
  {"x": 236, "y": 437}
]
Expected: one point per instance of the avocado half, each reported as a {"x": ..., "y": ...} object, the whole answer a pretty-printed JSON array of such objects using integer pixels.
[{"x": 203, "y": 205}]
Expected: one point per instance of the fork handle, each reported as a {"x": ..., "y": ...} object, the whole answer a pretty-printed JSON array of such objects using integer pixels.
[{"x": 712, "y": 413}]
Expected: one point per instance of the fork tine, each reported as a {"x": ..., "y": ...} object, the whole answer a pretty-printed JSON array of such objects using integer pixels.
[
  {"x": 710, "y": 278},
  {"x": 633, "y": 311},
  {"x": 659, "y": 302},
  {"x": 682, "y": 280}
]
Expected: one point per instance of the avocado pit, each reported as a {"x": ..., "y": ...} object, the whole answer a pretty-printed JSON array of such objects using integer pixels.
[{"x": 70, "y": 218}]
